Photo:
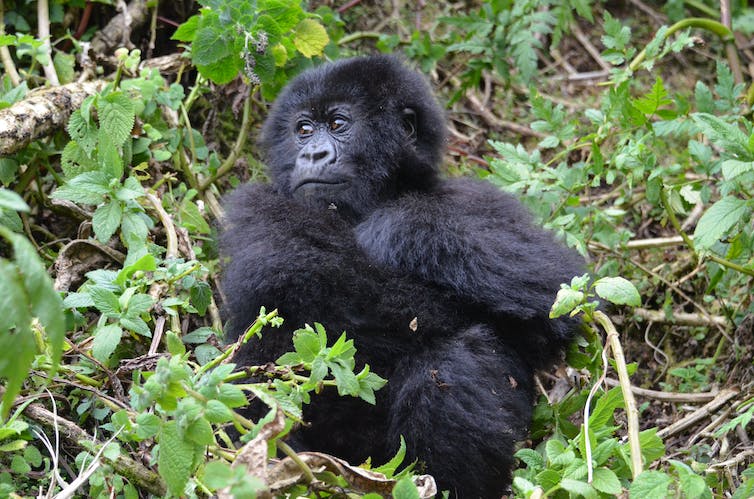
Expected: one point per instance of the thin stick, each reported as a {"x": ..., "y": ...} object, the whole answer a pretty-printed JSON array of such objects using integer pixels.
[{"x": 43, "y": 31}]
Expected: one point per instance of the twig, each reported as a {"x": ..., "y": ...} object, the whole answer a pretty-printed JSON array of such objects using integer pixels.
[
  {"x": 671, "y": 397},
  {"x": 5, "y": 57},
  {"x": 632, "y": 413},
  {"x": 43, "y": 31},
  {"x": 591, "y": 49},
  {"x": 681, "y": 318},
  {"x": 730, "y": 44},
  {"x": 167, "y": 222},
  {"x": 496, "y": 122},
  {"x": 699, "y": 414},
  {"x": 739, "y": 458},
  {"x": 655, "y": 242}
]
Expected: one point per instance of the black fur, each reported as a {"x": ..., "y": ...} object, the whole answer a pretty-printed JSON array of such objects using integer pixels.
[{"x": 359, "y": 232}]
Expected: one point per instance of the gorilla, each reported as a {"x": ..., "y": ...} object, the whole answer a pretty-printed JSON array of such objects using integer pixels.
[{"x": 444, "y": 284}]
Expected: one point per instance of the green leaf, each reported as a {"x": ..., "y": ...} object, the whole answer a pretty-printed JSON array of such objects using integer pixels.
[
  {"x": 733, "y": 168},
  {"x": 578, "y": 488},
  {"x": 405, "y": 489},
  {"x": 389, "y": 468},
  {"x": 345, "y": 379},
  {"x": 718, "y": 220},
  {"x": 692, "y": 485},
  {"x": 566, "y": 300},
  {"x": 602, "y": 414},
  {"x": 217, "y": 474},
  {"x": 106, "y": 340},
  {"x": 649, "y": 484},
  {"x": 105, "y": 301},
  {"x": 200, "y": 432},
  {"x": 605, "y": 480},
  {"x": 16, "y": 338},
  {"x": 187, "y": 30},
  {"x": 725, "y": 135},
  {"x": 87, "y": 188},
  {"x": 306, "y": 344},
  {"x": 217, "y": 412},
  {"x": 116, "y": 116},
  {"x": 310, "y": 38},
  {"x": 176, "y": 457},
  {"x": 83, "y": 131},
  {"x": 654, "y": 100},
  {"x": 617, "y": 290},
  {"x": 11, "y": 201},
  {"x": 201, "y": 297},
  {"x": 106, "y": 220},
  {"x": 192, "y": 219},
  {"x": 147, "y": 425}
]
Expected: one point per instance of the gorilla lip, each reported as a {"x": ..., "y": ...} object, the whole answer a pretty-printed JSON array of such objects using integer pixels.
[{"x": 317, "y": 181}]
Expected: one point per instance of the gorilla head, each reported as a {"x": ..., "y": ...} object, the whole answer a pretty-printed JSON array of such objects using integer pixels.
[{"x": 353, "y": 134}]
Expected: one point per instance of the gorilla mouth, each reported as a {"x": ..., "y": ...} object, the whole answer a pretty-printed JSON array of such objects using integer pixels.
[{"x": 316, "y": 182}]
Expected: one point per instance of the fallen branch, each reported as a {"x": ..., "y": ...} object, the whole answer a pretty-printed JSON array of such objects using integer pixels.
[
  {"x": 135, "y": 472},
  {"x": 672, "y": 397},
  {"x": 42, "y": 112},
  {"x": 681, "y": 318},
  {"x": 699, "y": 414}
]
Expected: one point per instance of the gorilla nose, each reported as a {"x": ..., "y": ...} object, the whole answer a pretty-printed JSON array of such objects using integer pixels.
[{"x": 321, "y": 154}]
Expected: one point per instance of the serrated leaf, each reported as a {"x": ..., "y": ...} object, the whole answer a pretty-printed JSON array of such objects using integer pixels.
[
  {"x": 605, "y": 480},
  {"x": 192, "y": 219},
  {"x": 106, "y": 340},
  {"x": 617, "y": 290},
  {"x": 603, "y": 410},
  {"x": 692, "y": 485},
  {"x": 201, "y": 297},
  {"x": 217, "y": 474},
  {"x": 176, "y": 458},
  {"x": 147, "y": 425},
  {"x": 649, "y": 484},
  {"x": 116, "y": 116},
  {"x": 733, "y": 168},
  {"x": 187, "y": 30},
  {"x": 83, "y": 131},
  {"x": 106, "y": 220},
  {"x": 217, "y": 412},
  {"x": 210, "y": 44},
  {"x": 654, "y": 100},
  {"x": 200, "y": 432},
  {"x": 718, "y": 220},
  {"x": 310, "y": 38},
  {"x": 87, "y": 188},
  {"x": 105, "y": 300},
  {"x": 306, "y": 345},
  {"x": 345, "y": 379},
  {"x": 725, "y": 135}
]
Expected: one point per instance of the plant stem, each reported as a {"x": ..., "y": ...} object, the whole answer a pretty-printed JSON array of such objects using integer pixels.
[
  {"x": 308, "y": 475},
  {"x": 43, "y": 31},
  {"x": 632, "y": 413},
  {"x": 692, "y": 22},
  {"x": 5, "y": 57},
  {"x": 243, "y": 133}
]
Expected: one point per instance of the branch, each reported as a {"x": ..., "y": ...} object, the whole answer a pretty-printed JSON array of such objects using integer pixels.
[
  {"x": 43, "y": 31},
  {"x": 142, "y": 477},
  {"x": 41, "y": 113}
]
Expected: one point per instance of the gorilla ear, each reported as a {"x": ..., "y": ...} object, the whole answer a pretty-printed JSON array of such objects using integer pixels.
[{"x": 409, "y": 122}]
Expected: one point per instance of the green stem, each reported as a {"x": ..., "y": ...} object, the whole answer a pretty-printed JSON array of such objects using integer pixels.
[
  {"x": 261, "y": 321},
  {"x": 308, "y": 475},
  {"x": 358, "y": 36},
  {"x": 243, "y": 133},
  {"x": 692, "y": 22}
]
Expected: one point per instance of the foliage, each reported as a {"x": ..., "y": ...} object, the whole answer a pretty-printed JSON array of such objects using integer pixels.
[{"x": 133, "y": 341}]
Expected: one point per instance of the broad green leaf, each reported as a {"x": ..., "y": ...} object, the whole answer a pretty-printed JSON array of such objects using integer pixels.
[
  {"x": 602, "y": 414},
  {"x": 16, "y": 338},
  {"x": 733, "y": 168},
  {"x": 389, "y": 468},
  {"x": 649, "y": 484},
  {"x": 192, "y": 219},
  {"x": 105, "y": 301},
  {"x": 200, "y": 432},
  {"x": 176, "y": 458},
  {"x": 106, "y": 340},
  {"x": 531, "y": 458},
  {"x": 87, "y": 188},
  {"x": 116, "y": 116},
  {"x": 566, "y": 300},
  {"x": 147, "y": 425},
  {"x": 217, "y": 474},
  {"x": 605, "y": 480},
  {"x": 405, "y": 489},
  {"x": 617, "y": 290},
  {"x": 310, "y": 38},
  {"x": 217, "y": 412},
  {"x": 211, "y": 44},
  {"x": 345, "y": 379},
  {"x": 83, "y": 131},
  {"x": 306, "y": 345},
  {"x": 106, "y": 220},
  {"x": 9, "y": 200},
  {"x": 718, "y": 220},
  {"x": 578, "y": 488},
  {"x": 187, "y": 30}
]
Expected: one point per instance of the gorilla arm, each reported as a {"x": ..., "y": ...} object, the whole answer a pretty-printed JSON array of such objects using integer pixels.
[
  {"x": 306, "y": 263},
  {"x": 479, "y": 242}
]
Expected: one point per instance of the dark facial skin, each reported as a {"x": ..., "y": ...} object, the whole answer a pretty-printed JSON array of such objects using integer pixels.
[{"x": 319, "y": 174}]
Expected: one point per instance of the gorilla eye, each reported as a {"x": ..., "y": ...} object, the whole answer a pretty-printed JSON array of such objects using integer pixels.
[
  {"x": 304, "y": 129},
  {"x": 337, "y": 123}
]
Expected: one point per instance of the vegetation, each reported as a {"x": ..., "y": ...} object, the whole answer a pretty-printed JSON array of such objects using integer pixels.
[{"x": 627, "y": 129}]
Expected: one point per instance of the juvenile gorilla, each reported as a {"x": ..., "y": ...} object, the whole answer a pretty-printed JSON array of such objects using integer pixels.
[{"x": 359, "y": 232}]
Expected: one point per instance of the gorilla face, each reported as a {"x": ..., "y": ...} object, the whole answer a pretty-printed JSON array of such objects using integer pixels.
[
  {"x": 321, "y": 172},
  {"x": 350, "y": 135}
]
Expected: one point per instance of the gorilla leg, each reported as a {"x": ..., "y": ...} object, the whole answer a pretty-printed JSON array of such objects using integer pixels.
[{"x": 461, "y": 405}]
